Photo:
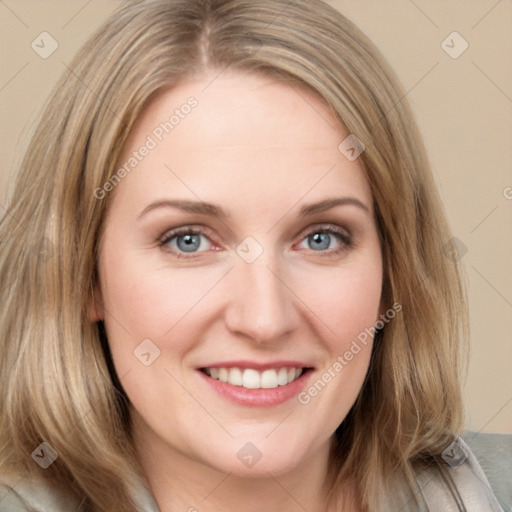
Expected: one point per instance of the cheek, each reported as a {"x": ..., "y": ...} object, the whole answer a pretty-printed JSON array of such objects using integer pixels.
[
  {"x": 347, "y": 302},
  {"x": 153, "y": 303}
]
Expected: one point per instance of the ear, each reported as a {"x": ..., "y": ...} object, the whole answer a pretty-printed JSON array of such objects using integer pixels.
[{"x": 95, "y": 311}]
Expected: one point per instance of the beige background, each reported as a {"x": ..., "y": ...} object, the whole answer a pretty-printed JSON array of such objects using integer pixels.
[{"x": 464, "y": 107}]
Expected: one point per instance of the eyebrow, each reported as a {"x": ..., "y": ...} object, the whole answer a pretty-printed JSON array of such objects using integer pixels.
[
  {"x": 327, "y": 204},
  {"x": 199, "y": 207},
  {"x": 203, "y": 208}
]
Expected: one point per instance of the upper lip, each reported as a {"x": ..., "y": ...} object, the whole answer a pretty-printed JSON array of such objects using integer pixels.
[{"x": 257, "y": 365}]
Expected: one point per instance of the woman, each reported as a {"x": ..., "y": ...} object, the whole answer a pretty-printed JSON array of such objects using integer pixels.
[{"x": 223, "y": 278}]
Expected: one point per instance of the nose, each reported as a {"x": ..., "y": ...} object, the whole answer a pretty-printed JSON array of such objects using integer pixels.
[{"x": 261, "y": 305}]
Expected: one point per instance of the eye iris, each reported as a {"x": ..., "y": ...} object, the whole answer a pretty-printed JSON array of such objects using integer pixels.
[
  {"x": 188, "y": 243},
  {"x": 320, "y": 241}
]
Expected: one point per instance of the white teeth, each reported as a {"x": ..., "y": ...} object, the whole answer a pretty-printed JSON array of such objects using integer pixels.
[
  {"x": 254, "y": 379},
  {"x": 251, "y": 379},
  {"x": 282, "y": 376},
  {"x": 235, "y": 377},
  {"x": 269, "y": 379}
]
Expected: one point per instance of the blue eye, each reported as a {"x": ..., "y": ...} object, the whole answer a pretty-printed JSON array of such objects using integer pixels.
[
  {"x": 319, "y": 241},
  {"x": 186, "y": 241},
  {"x": 323, "y": 239}
]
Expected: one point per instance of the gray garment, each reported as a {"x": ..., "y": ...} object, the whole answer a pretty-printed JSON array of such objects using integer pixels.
[
  {"x": 472, "y": 491},
  {"x": 471, "y": 483},
  {"x": 494, "y": 453}
]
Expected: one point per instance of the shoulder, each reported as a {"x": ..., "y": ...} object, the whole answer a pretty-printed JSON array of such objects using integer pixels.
[
  {"x": 10, "y": 500},
  {"x": 494, "y": 455},
  {"x": 474, "y": 475},
  {"x": 19, "y": 494}
]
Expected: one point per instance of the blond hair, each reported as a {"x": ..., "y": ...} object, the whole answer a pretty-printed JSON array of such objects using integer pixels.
[{"x": 58, "y": 384}]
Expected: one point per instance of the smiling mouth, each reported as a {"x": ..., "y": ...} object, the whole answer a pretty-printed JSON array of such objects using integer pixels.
[{"x": 251, "y": 378}]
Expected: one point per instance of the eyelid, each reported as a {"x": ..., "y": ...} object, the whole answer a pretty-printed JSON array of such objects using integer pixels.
[
  {"x": 165, "y": 239},
  {"x": 326, "y": 226},
  {"x": 186, "y": 229},
  {"x": 345, "y": 235},
  {"x": 347, "y": 238}
]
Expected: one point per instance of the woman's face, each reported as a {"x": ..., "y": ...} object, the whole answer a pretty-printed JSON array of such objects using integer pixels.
[{"x": 240, "y": 245}]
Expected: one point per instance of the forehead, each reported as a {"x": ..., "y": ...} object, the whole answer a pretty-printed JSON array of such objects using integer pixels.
[
  {"x": 268, "y": 141},
  {"x": 234, "y": 101}
]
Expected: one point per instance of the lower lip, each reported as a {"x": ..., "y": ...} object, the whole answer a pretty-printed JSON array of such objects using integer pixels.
[{"x": 258, "y": 397}]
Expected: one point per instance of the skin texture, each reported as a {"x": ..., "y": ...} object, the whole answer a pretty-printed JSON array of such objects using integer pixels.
[{"x": 260, "y": 150}]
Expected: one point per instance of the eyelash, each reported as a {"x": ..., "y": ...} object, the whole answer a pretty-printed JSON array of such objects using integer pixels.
[{"x": 346, "y": 240}]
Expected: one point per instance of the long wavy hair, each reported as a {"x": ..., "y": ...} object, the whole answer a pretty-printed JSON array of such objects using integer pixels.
[{"x": 58, "y": 384}]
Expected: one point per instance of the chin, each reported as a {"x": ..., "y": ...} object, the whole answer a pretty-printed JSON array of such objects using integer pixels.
[{"x": 258, "y": 458}]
